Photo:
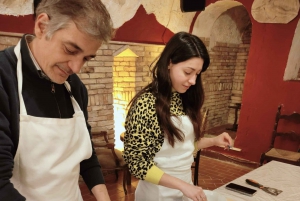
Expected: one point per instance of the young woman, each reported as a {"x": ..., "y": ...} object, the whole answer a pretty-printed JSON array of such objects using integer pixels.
[{"x": 163, "y": 124}]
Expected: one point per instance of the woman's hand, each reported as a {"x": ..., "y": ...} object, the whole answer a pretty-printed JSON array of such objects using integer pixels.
[
  {"x": 193, "y": 192},
  {"x": 223, "y": 140}
]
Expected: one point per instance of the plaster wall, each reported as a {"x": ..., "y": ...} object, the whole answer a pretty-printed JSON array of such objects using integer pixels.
[{"x": 16, "y": 7}]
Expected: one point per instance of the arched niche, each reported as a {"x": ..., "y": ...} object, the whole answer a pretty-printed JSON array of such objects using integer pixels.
[
  {"x": 223, "y": 21},
  {"x": 226, "y": 28}
]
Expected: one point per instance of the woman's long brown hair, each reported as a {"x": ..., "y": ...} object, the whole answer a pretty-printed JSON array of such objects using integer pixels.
[{"x": 181, "y": 47}]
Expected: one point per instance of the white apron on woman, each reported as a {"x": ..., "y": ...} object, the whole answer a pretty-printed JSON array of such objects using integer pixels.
[
  {"x": 175, "y": 161},
  {"x": 47, "y": 161}
]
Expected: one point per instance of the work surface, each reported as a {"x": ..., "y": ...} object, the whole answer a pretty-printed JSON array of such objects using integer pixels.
[{"x": 274, "y": 174}]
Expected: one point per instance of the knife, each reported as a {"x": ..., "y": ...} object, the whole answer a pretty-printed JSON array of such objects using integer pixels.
[
  {"x": 228, "y": 147},
  {"x": 272, "y": 191}
]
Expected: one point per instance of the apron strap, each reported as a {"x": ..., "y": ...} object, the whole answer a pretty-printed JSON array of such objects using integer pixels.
[
  {"x": 74, "y": 102},
  {"x": 17, "y": 51}
]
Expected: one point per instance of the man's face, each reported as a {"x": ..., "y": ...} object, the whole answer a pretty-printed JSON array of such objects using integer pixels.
[{"x": 65, "y": 53}]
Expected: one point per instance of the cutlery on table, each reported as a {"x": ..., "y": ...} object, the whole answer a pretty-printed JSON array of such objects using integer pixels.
[{"x": 272, "y": 191}]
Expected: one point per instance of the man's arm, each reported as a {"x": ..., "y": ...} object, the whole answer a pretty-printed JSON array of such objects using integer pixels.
[
  {"x": 90, "y": 169},
  {"x": 7, "y": 190},
  {"x": 9, "y": 127},
  {"x": 100, "y": 192}
]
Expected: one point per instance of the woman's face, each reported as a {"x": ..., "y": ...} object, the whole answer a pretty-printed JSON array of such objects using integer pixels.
[{"x": 184, "y": 74}]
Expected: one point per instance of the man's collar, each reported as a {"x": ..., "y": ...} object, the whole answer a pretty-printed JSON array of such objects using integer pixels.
[{"x": 29, "y": 38}]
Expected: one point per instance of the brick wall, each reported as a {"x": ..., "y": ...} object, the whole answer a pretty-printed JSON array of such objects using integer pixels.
[
  {"x": 97, "y": 75},
  {"x": 217, "y": 83},
  {"x": 8, "y": 40},
  {"x": 112, "y": 81},
  {"x": 130, "y": 75}
]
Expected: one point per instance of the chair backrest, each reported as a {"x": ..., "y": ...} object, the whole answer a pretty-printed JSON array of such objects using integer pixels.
[
  {"x": 106, "y": 149},
  {"x": 109, "y": 157},
  {"x": 101, "y": 135},
  {"x": 196, "y": 153},
  {"x": 289, "y": 123},
  {"x": 204, "y": 123}
]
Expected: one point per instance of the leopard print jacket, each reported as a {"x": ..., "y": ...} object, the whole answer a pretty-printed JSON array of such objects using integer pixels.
[{"x": 143, "y": 136}]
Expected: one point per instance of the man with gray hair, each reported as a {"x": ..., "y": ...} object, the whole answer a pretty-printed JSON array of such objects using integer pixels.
[{"x": 45, "y": 138}]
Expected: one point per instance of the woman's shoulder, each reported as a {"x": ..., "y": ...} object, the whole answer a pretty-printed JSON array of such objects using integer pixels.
[
  {"x": 144, "y": 103},
  {"x": 146, "y": 97}
]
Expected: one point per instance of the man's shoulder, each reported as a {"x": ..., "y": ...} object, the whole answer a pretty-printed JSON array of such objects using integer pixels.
[
  {"x": 74, "y": 78},
  {"x": 3, "y": 56},
  {"x": 76, "y": 84},
  {"x": 8, "y": 63},
  {"x": 7, "y": 56}
]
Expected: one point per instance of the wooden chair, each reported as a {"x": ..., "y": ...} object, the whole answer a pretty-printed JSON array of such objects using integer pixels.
[
  {"x": 109, "y": 157},
  {"x": 197, "y": 153},
  {"x": 287, "y": 122}
]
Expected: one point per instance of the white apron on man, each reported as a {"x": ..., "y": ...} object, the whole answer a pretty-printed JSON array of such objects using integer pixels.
[
  {"x": 47, "y": 161},
  {"x": 175, "y": 161}
]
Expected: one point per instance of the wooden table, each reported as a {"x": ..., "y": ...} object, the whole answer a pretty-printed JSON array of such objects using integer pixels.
[{"x": 274, "y": 174}]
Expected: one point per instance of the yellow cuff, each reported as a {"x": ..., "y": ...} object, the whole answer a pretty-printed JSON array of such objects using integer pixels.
[{"x": 154, "y": 175}]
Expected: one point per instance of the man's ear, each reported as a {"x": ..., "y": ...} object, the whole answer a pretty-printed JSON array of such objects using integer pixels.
[{"x": 41, "y": 24}]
